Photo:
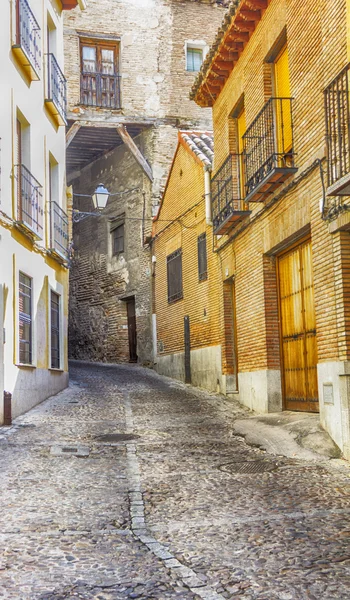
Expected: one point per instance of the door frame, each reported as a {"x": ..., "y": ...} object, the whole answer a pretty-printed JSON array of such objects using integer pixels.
[{"x": 299, "y": 242}]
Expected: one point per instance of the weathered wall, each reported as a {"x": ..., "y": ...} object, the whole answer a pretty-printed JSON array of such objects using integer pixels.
[{"x": 155, "y": 87}]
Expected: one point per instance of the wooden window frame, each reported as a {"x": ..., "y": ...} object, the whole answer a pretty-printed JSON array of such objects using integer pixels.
[
  {"x": 114, "y": 229},
  {"x": 98, "y": 89},
  {"x": 193, "y": 49},
  {"x": 174, "y": 286},
  {"x": 100, "y": 44},
  {"x": 202, "y": 243}
]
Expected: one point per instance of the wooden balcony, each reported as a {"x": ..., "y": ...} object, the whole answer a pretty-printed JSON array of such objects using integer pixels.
[
  {"x": 268, "y": 150},
  {"x": 56, "y": 94},
  {"x": 59, "y": 236},
  {"x": 28, "y": 41},
  {"x": 30, "y": 212},
  {"x": 337, "y": 112},
  {"x": 228, "y": 207},
  {"x": 100, "y": 90}
]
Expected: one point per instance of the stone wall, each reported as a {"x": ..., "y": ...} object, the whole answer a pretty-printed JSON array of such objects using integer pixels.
[{"x": 155, "y": 89}]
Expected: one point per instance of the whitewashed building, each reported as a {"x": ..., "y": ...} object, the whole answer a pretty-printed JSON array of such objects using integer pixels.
[{"x": 34, "y": 232}]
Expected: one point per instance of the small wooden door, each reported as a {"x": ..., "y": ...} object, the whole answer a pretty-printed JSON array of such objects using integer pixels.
[
  {"x": 132, "y": 329},
  {"x": 298, "y": 329}
]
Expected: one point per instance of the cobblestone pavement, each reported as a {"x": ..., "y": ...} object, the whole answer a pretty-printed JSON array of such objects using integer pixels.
[{"x": 184, "y": 509}]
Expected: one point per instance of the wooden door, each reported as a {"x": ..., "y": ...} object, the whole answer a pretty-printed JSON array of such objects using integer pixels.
[
  {"x": 298, "y": 329},
  {"x": 132, "y": 330}
]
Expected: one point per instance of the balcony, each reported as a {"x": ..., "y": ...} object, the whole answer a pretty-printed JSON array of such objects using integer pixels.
[
  {"x": 30, "y": 213},
  {"x": 59, "y": 238},
  {"x": 228, "y": 206},
  {"x": 337, "y": 109},
  {"x": 268, "y": 146},
  {"x": 28, "y": 41},
  {"x": 56, "y": 95},
  {"x": 100, "y": 90}
]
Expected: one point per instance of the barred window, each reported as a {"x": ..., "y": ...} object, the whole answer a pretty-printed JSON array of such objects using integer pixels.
[
  {"x": 55, "y": 331},
  {"x": 202, "y": 257},
  {"x": 25, "y": 320},
  {"x": 174, "y": 273}
]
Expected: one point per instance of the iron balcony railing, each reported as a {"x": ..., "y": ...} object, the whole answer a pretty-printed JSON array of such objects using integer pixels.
[
  {"x": 56, "y": 86},
  {"x": 99, "y": 89},
  {"x": 59, "y": 241},
  {"x": 337, "y": 111},
  {"x": 30, "y": 213},
  {"x": 268, "y": 146},
  {"x": 226, "y": 192},
  {"x": 28, "y": 34}
]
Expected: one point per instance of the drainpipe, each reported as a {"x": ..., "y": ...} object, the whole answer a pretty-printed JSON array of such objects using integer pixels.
[{"x": 207, "y": 194}]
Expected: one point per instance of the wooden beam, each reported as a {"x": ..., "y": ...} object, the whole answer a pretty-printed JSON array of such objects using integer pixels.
[
  {"x": 245, "y": 25},
  {"x": 260, "y": 4},
  {"x": 135, "y": 151},
  {"x": 250, "y": 15},
  {"x": 237, "y": 36},
  {"x": 72, "y": 132}
]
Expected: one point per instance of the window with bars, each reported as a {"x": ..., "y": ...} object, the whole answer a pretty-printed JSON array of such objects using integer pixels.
[
  {"x": 174, "y": 276},
  {"x": 202, "y": 257},
  {"x": 55, "y": 331},
  {"x": 194, "y": 59},
  {"x": 118, "y": 239},
  {"x": 25, "y": 320}
]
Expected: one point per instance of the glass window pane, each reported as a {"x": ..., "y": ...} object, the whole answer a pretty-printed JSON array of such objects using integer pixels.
[
  {"x": 107, "y": 60},
  {"x": 194, "y": 59},
  {"x": 89, "y": 59}
]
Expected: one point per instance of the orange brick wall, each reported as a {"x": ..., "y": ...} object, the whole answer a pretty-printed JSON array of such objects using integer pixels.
[
  {"x": 317, "y": 43},
  {"x": 201, "y": 299}
]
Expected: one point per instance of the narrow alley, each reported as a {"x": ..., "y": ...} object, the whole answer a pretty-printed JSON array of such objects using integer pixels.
[{"x": 131, "y": 485}]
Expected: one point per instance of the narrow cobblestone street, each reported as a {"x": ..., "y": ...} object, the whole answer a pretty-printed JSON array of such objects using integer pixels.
[{"x": 130, "y": 485}]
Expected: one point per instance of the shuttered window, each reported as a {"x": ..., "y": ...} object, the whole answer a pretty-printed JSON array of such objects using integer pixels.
[
  {"x": 194, "y": 59},
  {"x": 55, "y": 331},
  {"x": 118, "y": 239},
  {"x": 202, "y": 257},
  {"x": 174, "y": 275},
  {"x": 282, "y": 88},
  {"x": 25, "y": 320}
]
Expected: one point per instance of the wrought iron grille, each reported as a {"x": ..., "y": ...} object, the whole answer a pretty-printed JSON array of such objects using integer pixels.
[
  {"x": 25, "y": 319},
  {"x": 202, "y": 257},
  {"x": 55, "y": 331},
  {"x": 99, "y": 89},
  {"x": 174, "y": 275},
  {"x": 59, "y": 230},
  {"x": 268, "y": 142},
  {"x": 57, "y": 85},
  {"x": 30, "y": 211},
  {"x": 28, "y": 35},
  {"x": 337, "y": 109},
  {"x": 226, "y": 188}
]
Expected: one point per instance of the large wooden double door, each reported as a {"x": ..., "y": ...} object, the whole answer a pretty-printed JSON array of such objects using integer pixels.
[{"x": 298, "y": 329}]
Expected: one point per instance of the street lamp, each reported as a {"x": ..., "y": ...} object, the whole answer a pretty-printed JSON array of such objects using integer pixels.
[{"x": 100, "y": 197}]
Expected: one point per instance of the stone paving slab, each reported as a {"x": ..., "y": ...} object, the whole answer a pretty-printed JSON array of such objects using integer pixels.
[{"x": 166, "y": 515}]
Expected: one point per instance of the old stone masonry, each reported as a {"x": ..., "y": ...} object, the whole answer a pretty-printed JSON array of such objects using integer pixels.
[{"x": 129, "y": 485}]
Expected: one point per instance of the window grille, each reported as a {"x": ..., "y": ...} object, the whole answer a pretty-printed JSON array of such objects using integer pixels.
[
  {"x": 202, "y": 257},
  {"x": 55, "y": 331},
  {"x": 337, "y": 108},
  {"x": 118, "y": 239},
  {"x": 174, "y": 274},
  {"x": 25, "y": 319}
]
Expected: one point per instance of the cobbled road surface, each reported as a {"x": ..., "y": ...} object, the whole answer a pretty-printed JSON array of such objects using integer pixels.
[{"x": 130, "y": 485}]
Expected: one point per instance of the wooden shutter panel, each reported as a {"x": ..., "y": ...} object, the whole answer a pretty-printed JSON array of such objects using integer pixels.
[{"x": 282, "y": 87}]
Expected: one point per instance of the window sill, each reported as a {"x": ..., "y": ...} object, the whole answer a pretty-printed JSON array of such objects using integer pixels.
[
  {"x": 25, "y": 366},
  {"x": 56, "y": 370}
]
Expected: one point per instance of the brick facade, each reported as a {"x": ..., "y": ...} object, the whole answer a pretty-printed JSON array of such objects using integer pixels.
[
  {"x": 155, "y": 88},
  {"x": 316, "y": 36}
]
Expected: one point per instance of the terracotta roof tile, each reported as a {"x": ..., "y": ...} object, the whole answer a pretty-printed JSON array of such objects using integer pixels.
[{"x": 201, "y": 143}]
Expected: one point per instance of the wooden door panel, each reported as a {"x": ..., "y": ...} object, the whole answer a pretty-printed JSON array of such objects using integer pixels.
[{"x": 298, "y": 329}]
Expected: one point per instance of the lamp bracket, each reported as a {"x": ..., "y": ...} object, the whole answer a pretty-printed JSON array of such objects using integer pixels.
[{"x": 78, "y": 215}]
